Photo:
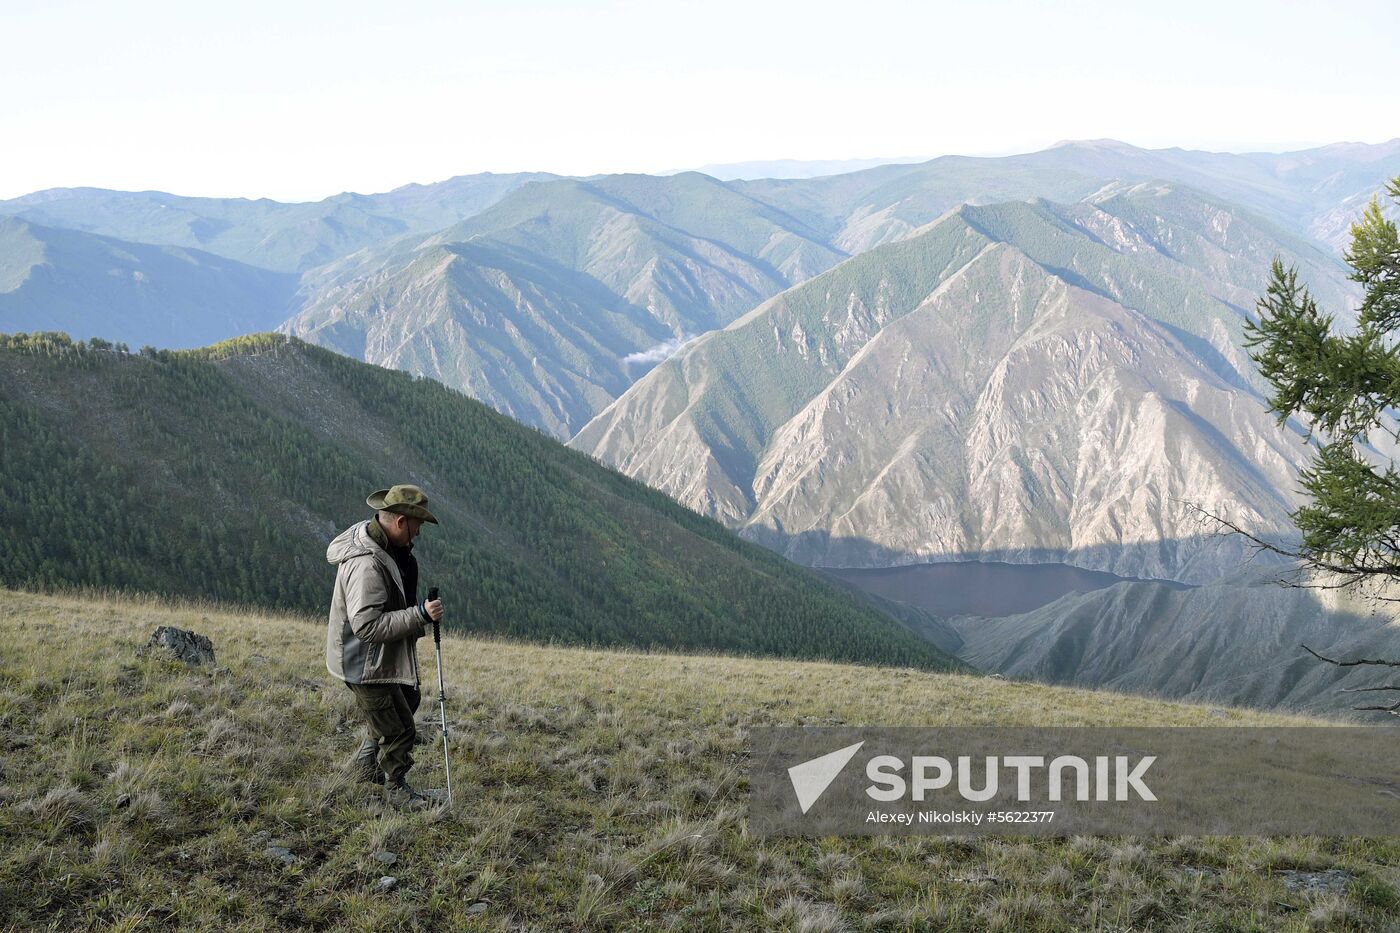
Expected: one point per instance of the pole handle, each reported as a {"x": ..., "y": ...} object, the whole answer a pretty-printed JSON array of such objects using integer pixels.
[{"x": 437, "y": 629}]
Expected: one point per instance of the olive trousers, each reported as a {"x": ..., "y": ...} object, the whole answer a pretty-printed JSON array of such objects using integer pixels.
[{"x": 388, "y": 712}]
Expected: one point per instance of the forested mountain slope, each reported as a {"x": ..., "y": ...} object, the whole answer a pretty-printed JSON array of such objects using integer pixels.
[{"x": 222, "y": 474}]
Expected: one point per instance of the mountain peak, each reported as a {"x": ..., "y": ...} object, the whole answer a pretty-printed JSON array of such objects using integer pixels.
[{"x": 1106, "y": 145}]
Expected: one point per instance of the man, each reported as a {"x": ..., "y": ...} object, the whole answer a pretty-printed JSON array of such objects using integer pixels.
[{"x": 371, "y": 639}]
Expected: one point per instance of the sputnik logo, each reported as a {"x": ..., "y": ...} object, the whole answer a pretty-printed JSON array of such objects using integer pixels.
[{"x": 811, "y": 778}]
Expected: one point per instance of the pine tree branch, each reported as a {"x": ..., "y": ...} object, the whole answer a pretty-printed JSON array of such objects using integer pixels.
[
  {"x": 1393, "y": 709},
  {"x": 1354, "y": 663},
  {"x": 1357, "y": 570},
  {"x": 1357, "y": 582}
]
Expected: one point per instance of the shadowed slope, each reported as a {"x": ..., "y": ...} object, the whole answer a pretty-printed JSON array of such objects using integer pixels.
[{"x": 90, "y": 285}]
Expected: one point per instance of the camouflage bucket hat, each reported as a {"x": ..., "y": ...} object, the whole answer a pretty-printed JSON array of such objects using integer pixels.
[{"x": 403, "y": 499}]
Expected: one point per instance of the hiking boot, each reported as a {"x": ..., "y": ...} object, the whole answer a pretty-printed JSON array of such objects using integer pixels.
[
  {"x": 399, "y": 793},
  {"x": 364, "y": 764}
]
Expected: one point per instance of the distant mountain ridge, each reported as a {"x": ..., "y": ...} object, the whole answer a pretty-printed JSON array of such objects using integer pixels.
[
  {"x": 1301, "y": 190},
  {"x": 66, "y": 280},
  {"x": 283, "y": 237},
  {"x": 794, "y": 168}
]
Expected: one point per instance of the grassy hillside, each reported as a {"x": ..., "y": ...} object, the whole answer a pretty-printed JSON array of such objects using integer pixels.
[
  {"x": 223, "y": 473},
  {"x": 596, "y": 790}
]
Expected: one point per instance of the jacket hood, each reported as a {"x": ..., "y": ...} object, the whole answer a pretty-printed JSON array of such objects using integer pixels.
[{"x": 352, "y": 542}]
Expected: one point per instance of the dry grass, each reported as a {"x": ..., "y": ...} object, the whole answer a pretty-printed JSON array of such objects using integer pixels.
[{"x": 596, "y": 790}]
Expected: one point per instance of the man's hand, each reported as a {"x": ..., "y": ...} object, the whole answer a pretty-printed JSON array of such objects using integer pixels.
[{"x": 434, "y": 609}]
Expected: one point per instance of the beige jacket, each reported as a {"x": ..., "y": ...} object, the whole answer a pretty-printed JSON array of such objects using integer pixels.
[{"x": 372, "y": 634}]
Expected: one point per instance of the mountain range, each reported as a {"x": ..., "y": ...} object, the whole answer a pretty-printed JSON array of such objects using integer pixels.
[
  {"x": 539, "y": 304},
  {"x": 273, "y": 235},
  {"x": 793, "y": 168},
  {"x": 661, "y": 260},
  {"x": 678, "y": 254},
  {"x": 1023, "y": 382},
  {"x": 1311, "y": 192}
]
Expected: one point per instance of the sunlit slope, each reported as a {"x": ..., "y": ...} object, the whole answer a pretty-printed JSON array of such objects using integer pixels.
[
  {"x": 594, "y": 790},
  {"x": 1021, "y": 382},
  {"x": 545, "y": 305}
]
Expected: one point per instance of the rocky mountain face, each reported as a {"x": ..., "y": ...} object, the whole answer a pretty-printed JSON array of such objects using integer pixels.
[
  {"x": 89, "y": 285},
  {"x": 1017, "y": 382},
  {"x": 1237, "y": 641},
  {"x": 538, "y": 341},
  {"x": 549, "y": 304}
]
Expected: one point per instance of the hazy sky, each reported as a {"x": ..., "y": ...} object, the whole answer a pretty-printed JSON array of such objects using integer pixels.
[{"x": 299, "y": 100}]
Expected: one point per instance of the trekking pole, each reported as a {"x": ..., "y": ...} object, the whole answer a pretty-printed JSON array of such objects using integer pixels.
[{"x": 442, "y": 699}]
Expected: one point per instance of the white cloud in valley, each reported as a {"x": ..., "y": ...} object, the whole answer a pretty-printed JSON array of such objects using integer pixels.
[{"x": 660, "y": 353}]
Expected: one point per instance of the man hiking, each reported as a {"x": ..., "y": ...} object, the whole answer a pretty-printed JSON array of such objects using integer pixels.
[{"x": 371, "y": 638}]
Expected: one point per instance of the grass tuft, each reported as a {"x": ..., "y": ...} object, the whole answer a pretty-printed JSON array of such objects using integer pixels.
[{"x": 63, "y": 809}]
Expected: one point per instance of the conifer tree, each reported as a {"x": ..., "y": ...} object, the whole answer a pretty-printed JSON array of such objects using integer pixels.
[{"x": 1345, "y": 385}]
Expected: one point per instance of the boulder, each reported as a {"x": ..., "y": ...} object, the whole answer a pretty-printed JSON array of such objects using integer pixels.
[
  {"x": 180, "y": 644},
  {"x": 281, "y": 853}
]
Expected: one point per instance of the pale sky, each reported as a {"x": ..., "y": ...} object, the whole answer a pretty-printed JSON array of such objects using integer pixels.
[{"x": 300, "y": 100}]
